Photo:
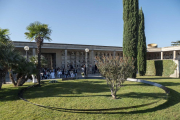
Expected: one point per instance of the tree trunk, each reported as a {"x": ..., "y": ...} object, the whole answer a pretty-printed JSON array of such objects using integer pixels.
[
  {"x": 24, "y": 80},
  {"x": 19, "y": 81},
  {"x": 12, "y": 79},
  {"x": 39, "y": 64},
  {"x": 39, "y": 41},
  {"x": 2, "y": 76},
  {"x": 4, "y": 79},
  {"x": 113, "y": 94},
  {"x": 1, "y": 79}
]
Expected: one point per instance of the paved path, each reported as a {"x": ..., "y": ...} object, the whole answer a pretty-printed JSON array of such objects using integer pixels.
[{"x": 79, "y": 75}]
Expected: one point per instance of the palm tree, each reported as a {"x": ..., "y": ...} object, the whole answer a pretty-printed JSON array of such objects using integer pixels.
[
  {"x": 24, "y": 70},
  {"x": 4, "y": 36},
  {"x": 38, "y": 32},
  {"x": 175, "y": 43},
  {"x": 5, "y": 44}
]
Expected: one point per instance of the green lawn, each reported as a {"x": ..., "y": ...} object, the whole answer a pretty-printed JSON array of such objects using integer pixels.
[{"x": 137, "y": 101}]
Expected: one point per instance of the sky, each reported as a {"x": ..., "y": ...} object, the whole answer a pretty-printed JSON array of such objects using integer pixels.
[{"x": 90, "y": 22}]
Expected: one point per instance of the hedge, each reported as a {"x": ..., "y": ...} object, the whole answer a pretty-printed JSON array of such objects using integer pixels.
[{"x": 160, "y": 67}]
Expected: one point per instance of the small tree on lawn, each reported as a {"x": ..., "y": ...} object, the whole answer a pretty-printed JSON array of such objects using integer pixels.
[
  {"x": 23, "y": 70},
  {"x": 116, "y": 70}
]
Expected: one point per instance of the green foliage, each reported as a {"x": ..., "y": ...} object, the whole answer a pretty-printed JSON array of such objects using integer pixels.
[
  {"x": 168, "y": 67},
  {"x": 175, "y": 43},
  {"x": 34, "y": 59},
  {"x": 141, "y": 57},
  {"x": 150, "y": 68},
  {"x": 160, "y": 67},
  {"x": 4, "y": 36},
  {"x": 38, "y": 29},
  {"x": 130, "y": 33},
  {"x": 23, "y": 70},
  {"x": 116, "y": 70},
  {"x": 11, "y": 60}
]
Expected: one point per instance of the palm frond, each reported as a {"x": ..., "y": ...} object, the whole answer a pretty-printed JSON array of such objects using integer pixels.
[{"x": 38, "y": 29}]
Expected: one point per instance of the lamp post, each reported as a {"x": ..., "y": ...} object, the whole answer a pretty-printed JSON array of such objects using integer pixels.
[
  {"x": 26, "y": 48},
  {"x": 86, "y": 50}
]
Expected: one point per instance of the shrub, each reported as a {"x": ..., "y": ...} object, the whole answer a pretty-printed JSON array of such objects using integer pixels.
[
  {"x": 116, "y": 70},
  {"x": 160, "y": 67}
]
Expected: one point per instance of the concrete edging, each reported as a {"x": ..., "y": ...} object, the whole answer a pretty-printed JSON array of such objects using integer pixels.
[{"x": 150, "y": 83}]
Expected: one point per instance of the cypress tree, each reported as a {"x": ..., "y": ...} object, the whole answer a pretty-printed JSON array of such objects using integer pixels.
[
  {"x": 141, "y": 58},
  {"x": 130, "y": 33}
]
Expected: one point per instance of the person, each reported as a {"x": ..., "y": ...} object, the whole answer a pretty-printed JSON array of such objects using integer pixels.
[
  {"x": 52, "y": 74},
  {"x": 75, "y": 72},
  {"x": 66, "y": 73},
  {"x": 85, "y": 70},
  {"x": 82, "y": 69},
  {"x": 95, "y": 69},
  {"x": 59, "y": 73},
  {"x": 69, "y": 73},
  {"x": 72, "y": 74},
  {"x": 63, "y": 72},
  {"x": 48, "y": 74},
  {"x": 45, "y": 74}
]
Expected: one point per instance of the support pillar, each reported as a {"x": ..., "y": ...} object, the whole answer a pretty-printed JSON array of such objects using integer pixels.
[
  {"x": 34, "y": 51},
  {"x": 86, "y": 59},
  {"x": 174, "y": 55},
  {"x": 65, "y": 59},
  {"x": 161, "y": 55},
  {"x": 114, "y": 53},
  {"x": 92, "y": 58}
]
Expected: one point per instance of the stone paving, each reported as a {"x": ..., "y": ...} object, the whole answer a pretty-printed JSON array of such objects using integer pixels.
[{"x": 78, "y": 76}]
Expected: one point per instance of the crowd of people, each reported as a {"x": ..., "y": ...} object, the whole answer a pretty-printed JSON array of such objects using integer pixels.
[
  {"x": 64, "y": 73},
  {"x": 58, "y": 73}
]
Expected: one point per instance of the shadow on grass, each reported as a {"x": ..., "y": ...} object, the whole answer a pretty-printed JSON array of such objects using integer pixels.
[
  {"x": 172, "y": 99},
  {"x": 170, "y": 102},
  {"x": 10, "y": 94},
  {"x": 47, "y": 89},
  {"x": 127, "y": 95},
  {"x": 75, "y": 88}
]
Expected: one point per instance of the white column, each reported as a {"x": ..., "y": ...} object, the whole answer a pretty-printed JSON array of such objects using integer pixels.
[
  {"x": 174, "y": 54},
  {"x": 58, "y": 58},
  {"x": 77, "y": 60},
  {"x": 34, "y": 51},
  {"x": 114, "y": 53},
  {"x": 86, "y": 59},
  {"x": 65, "y": 59},
  {"x": 91, "y": 57},
  {"x": 161, "y": 55}
]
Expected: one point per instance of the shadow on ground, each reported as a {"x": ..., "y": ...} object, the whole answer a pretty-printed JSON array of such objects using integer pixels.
[
  {"x": 91, "y": 87},
  {"x": 171, "y": 101}
]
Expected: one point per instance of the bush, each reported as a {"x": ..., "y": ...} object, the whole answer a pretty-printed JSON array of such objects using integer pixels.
[
  {"x": 160, "y": 67},
  {"x": 116, "y": 70}
]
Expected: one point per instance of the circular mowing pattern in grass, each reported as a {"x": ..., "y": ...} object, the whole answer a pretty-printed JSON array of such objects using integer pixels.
[{"x": 91, "y": 96}]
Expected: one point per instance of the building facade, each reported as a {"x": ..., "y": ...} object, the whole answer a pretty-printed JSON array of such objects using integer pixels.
[{"x": 66, "y": 55}]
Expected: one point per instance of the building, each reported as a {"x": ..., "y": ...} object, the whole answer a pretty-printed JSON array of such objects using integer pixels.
[{"x": 66, "y": 55}]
